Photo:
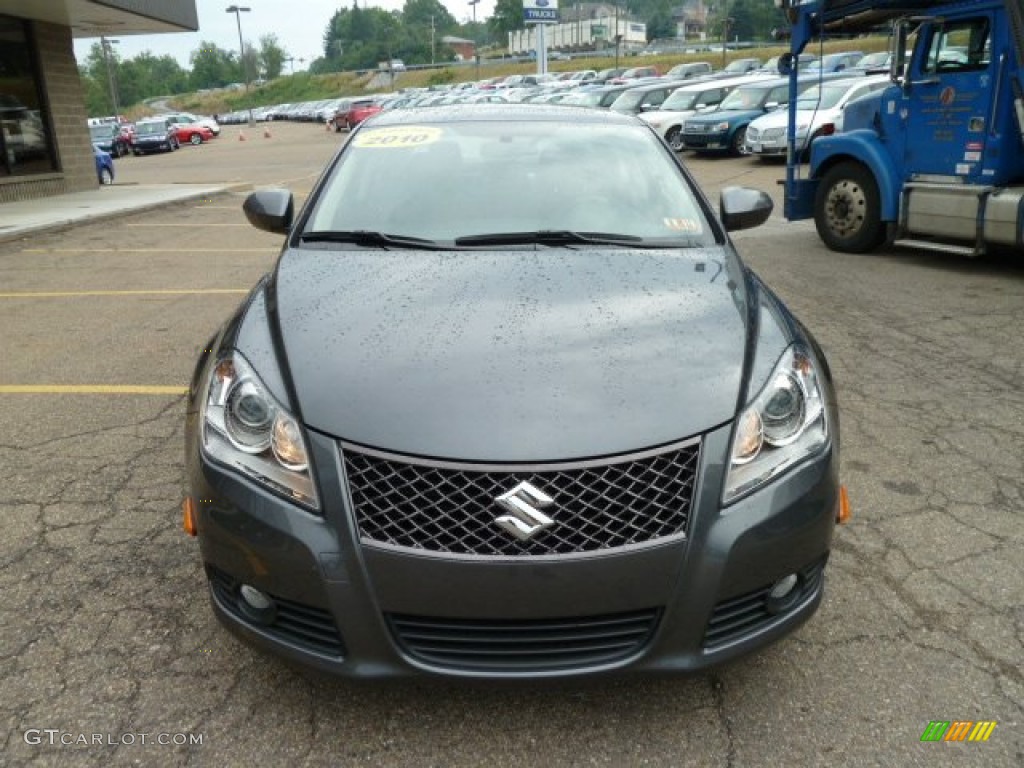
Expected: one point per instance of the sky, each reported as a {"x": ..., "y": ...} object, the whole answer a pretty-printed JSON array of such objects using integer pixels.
[{"x": 298, "y": 24}]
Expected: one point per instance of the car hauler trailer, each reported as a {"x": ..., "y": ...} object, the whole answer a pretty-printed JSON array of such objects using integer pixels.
[{"x": 935, "y": 160}]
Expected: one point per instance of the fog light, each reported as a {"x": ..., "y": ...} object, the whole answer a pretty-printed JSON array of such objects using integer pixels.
[
  {"x": 783, "y": 594},
  {"x": 257, "y": 605}
]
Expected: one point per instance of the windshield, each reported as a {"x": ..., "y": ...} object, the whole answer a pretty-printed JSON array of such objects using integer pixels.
[
  {"x": 745, "y": 98},
  {"x": 589, "y": 99},
  {"x": 440, "y": 182},
  {"x": 874, "y": 59},
  {"x": 150, "y": 129},
  {"x": 628, "y": 101},
  {"x": 681, "y": 100},
  {"x": 818, "y": 97},
  {"x": 98, "y": 132}
]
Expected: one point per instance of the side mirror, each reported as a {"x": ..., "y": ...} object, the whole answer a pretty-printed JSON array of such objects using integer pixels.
[
  {"x": 770, "y": 106},
  {"x": 743, "y": 208},
  {"x": 271, "y": 210}
]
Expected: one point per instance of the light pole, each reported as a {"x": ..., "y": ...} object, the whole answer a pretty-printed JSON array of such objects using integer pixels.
[
  {"x": 238, "y": 10},
  {"x": 105, "y": 45},
  {"x": 476, "y": 40}
]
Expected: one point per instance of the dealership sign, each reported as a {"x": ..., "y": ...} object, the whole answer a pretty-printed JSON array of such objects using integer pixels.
[{"x": 540, "y": 11}]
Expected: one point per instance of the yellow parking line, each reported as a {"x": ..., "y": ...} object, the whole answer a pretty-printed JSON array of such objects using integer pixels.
[
  {"x": 75, "y": 294},
  {"x": 89, "y": 389}
]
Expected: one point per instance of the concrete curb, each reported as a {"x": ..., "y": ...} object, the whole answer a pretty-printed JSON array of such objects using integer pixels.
[{"x": 59, "y": 214}]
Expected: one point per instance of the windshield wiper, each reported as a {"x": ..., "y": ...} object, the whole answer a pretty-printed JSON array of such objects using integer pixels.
[
  {"x": 549, "y": 237},
  {"x": 368, "y": 237}
]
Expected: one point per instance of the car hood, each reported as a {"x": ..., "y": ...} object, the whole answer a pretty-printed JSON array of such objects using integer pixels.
[
  {"x": 780, "y": 118},
  {"x": 729, "y": 115},
  {"x": 513, "y": 355}
]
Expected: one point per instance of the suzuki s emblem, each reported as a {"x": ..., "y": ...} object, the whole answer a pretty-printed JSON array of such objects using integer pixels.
[{"x": 524, "y": 502}]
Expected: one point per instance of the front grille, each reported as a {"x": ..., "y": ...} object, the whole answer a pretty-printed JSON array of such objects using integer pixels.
[
  {"x": 772, "y": 133},
  {"x": 295, "y": 623},
  {"x": 697, "y": 127},
  {"x": 530, "y": 645},
  {"x": 745, "y": 615},
  {"x": 449, "y": 508}
]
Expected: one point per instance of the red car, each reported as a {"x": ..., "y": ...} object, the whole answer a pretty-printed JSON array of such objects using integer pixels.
[
  {"x": 357, "y": 111},
  {"x": 193, "y": 133}
]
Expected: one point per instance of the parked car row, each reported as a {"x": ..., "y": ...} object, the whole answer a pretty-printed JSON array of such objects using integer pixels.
[
  {"x": 738, "y": 110},
  {"x": 160, "y": 133}
]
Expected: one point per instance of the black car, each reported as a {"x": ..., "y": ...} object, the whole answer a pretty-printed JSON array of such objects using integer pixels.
[
  {"x": 154, "y": 136},
  {"x": 109, "y": 138},
  {"x": 545, "y": 426}
]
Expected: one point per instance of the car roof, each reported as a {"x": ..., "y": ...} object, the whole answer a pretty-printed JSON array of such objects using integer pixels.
[
  {"x": 719, "y": 82},
  {"x": 501, "y": 113},
  {"x": 671, "y": 83}
]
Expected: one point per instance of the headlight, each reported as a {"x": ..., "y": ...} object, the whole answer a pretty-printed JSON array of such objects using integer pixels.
[
  {"x": 246, "y": 429},
  {"x": 784, "y": 424},
  {"x": 722, "y": 127}
]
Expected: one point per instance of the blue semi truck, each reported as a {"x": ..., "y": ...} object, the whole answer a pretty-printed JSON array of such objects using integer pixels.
[{"x": 935, "y": 160}]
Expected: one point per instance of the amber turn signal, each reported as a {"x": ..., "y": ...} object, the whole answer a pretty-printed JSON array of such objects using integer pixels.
[
  {"x": 188, "y": 514},
  {"x": 843, "y": 507}
]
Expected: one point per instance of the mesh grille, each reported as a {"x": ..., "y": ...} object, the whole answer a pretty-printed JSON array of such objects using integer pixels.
[
  {"x": 453, "y": 509},
  {"x": 524, "y": 645}
]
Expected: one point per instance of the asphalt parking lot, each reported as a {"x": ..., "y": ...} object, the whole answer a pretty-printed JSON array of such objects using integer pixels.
[{"x": 106, "y": 631}]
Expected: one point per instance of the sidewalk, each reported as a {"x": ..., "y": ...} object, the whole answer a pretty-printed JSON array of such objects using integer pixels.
[{"x": 28, "y": 217}]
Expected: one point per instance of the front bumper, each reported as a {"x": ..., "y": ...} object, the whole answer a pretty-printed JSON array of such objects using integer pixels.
[
  {"x": 706, "y": 142},
  {"x": 364, "y": 610}
]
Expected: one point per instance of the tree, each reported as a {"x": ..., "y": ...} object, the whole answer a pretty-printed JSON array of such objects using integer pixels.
[
  {"x": 508, "y": 17},
  {"x": 213, "y": 67},
  {"x": 660, "y": 23},
  {"x": 271, "y": 57}
]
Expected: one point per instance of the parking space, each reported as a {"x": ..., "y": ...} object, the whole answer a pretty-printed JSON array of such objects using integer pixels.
[{"x": 105, "y": 627}]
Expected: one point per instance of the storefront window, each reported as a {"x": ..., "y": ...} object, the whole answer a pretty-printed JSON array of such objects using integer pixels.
[{"x": 26, "y": 146}]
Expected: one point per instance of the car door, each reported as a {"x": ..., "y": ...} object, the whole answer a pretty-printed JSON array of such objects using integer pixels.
[{"x": 948, "y": 99}]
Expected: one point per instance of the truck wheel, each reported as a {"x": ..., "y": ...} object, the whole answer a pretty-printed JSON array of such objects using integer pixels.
[
  {"x": 847, "y": 209},
  {"x": 674, "y": 137}
]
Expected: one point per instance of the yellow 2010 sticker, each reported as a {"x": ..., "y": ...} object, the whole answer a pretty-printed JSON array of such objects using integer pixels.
[
  {"x": 397, "y": 136},
  {"x": 683, "y": 225}
]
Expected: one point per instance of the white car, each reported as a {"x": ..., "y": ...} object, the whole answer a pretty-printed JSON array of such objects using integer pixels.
[
  {"x": 687, "y": 101},
  {"x": 185, "y": 118},
  {"x": 819, "y": 113}
]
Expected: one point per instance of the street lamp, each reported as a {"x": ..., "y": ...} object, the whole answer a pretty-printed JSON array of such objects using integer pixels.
[
  {"x": 238, "y": 10},
  {"x": 726, "y": 23},
  {"x": 105, "y": 44},
  {"x": 476, "y": 41}
]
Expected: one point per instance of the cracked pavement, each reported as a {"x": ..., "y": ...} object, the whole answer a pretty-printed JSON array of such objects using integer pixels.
[{"x": 105, "y": 625}]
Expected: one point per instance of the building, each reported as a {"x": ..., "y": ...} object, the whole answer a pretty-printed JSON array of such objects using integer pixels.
[
  {"x": 588, "y": 27},
  {"x": 464, "y": 49},
  {"x": 44, "y": 142}
]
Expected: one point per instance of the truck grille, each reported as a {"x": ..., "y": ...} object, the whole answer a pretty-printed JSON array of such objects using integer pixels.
[
  {"x": 531, "y": 645},
  {"x": 451, "y": 508}
]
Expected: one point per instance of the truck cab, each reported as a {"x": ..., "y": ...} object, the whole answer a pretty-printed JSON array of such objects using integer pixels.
[{"x": 936, "y": 159}]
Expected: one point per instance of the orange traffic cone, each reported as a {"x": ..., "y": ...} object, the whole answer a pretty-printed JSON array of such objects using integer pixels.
[{"x": 241, "y": 135}]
